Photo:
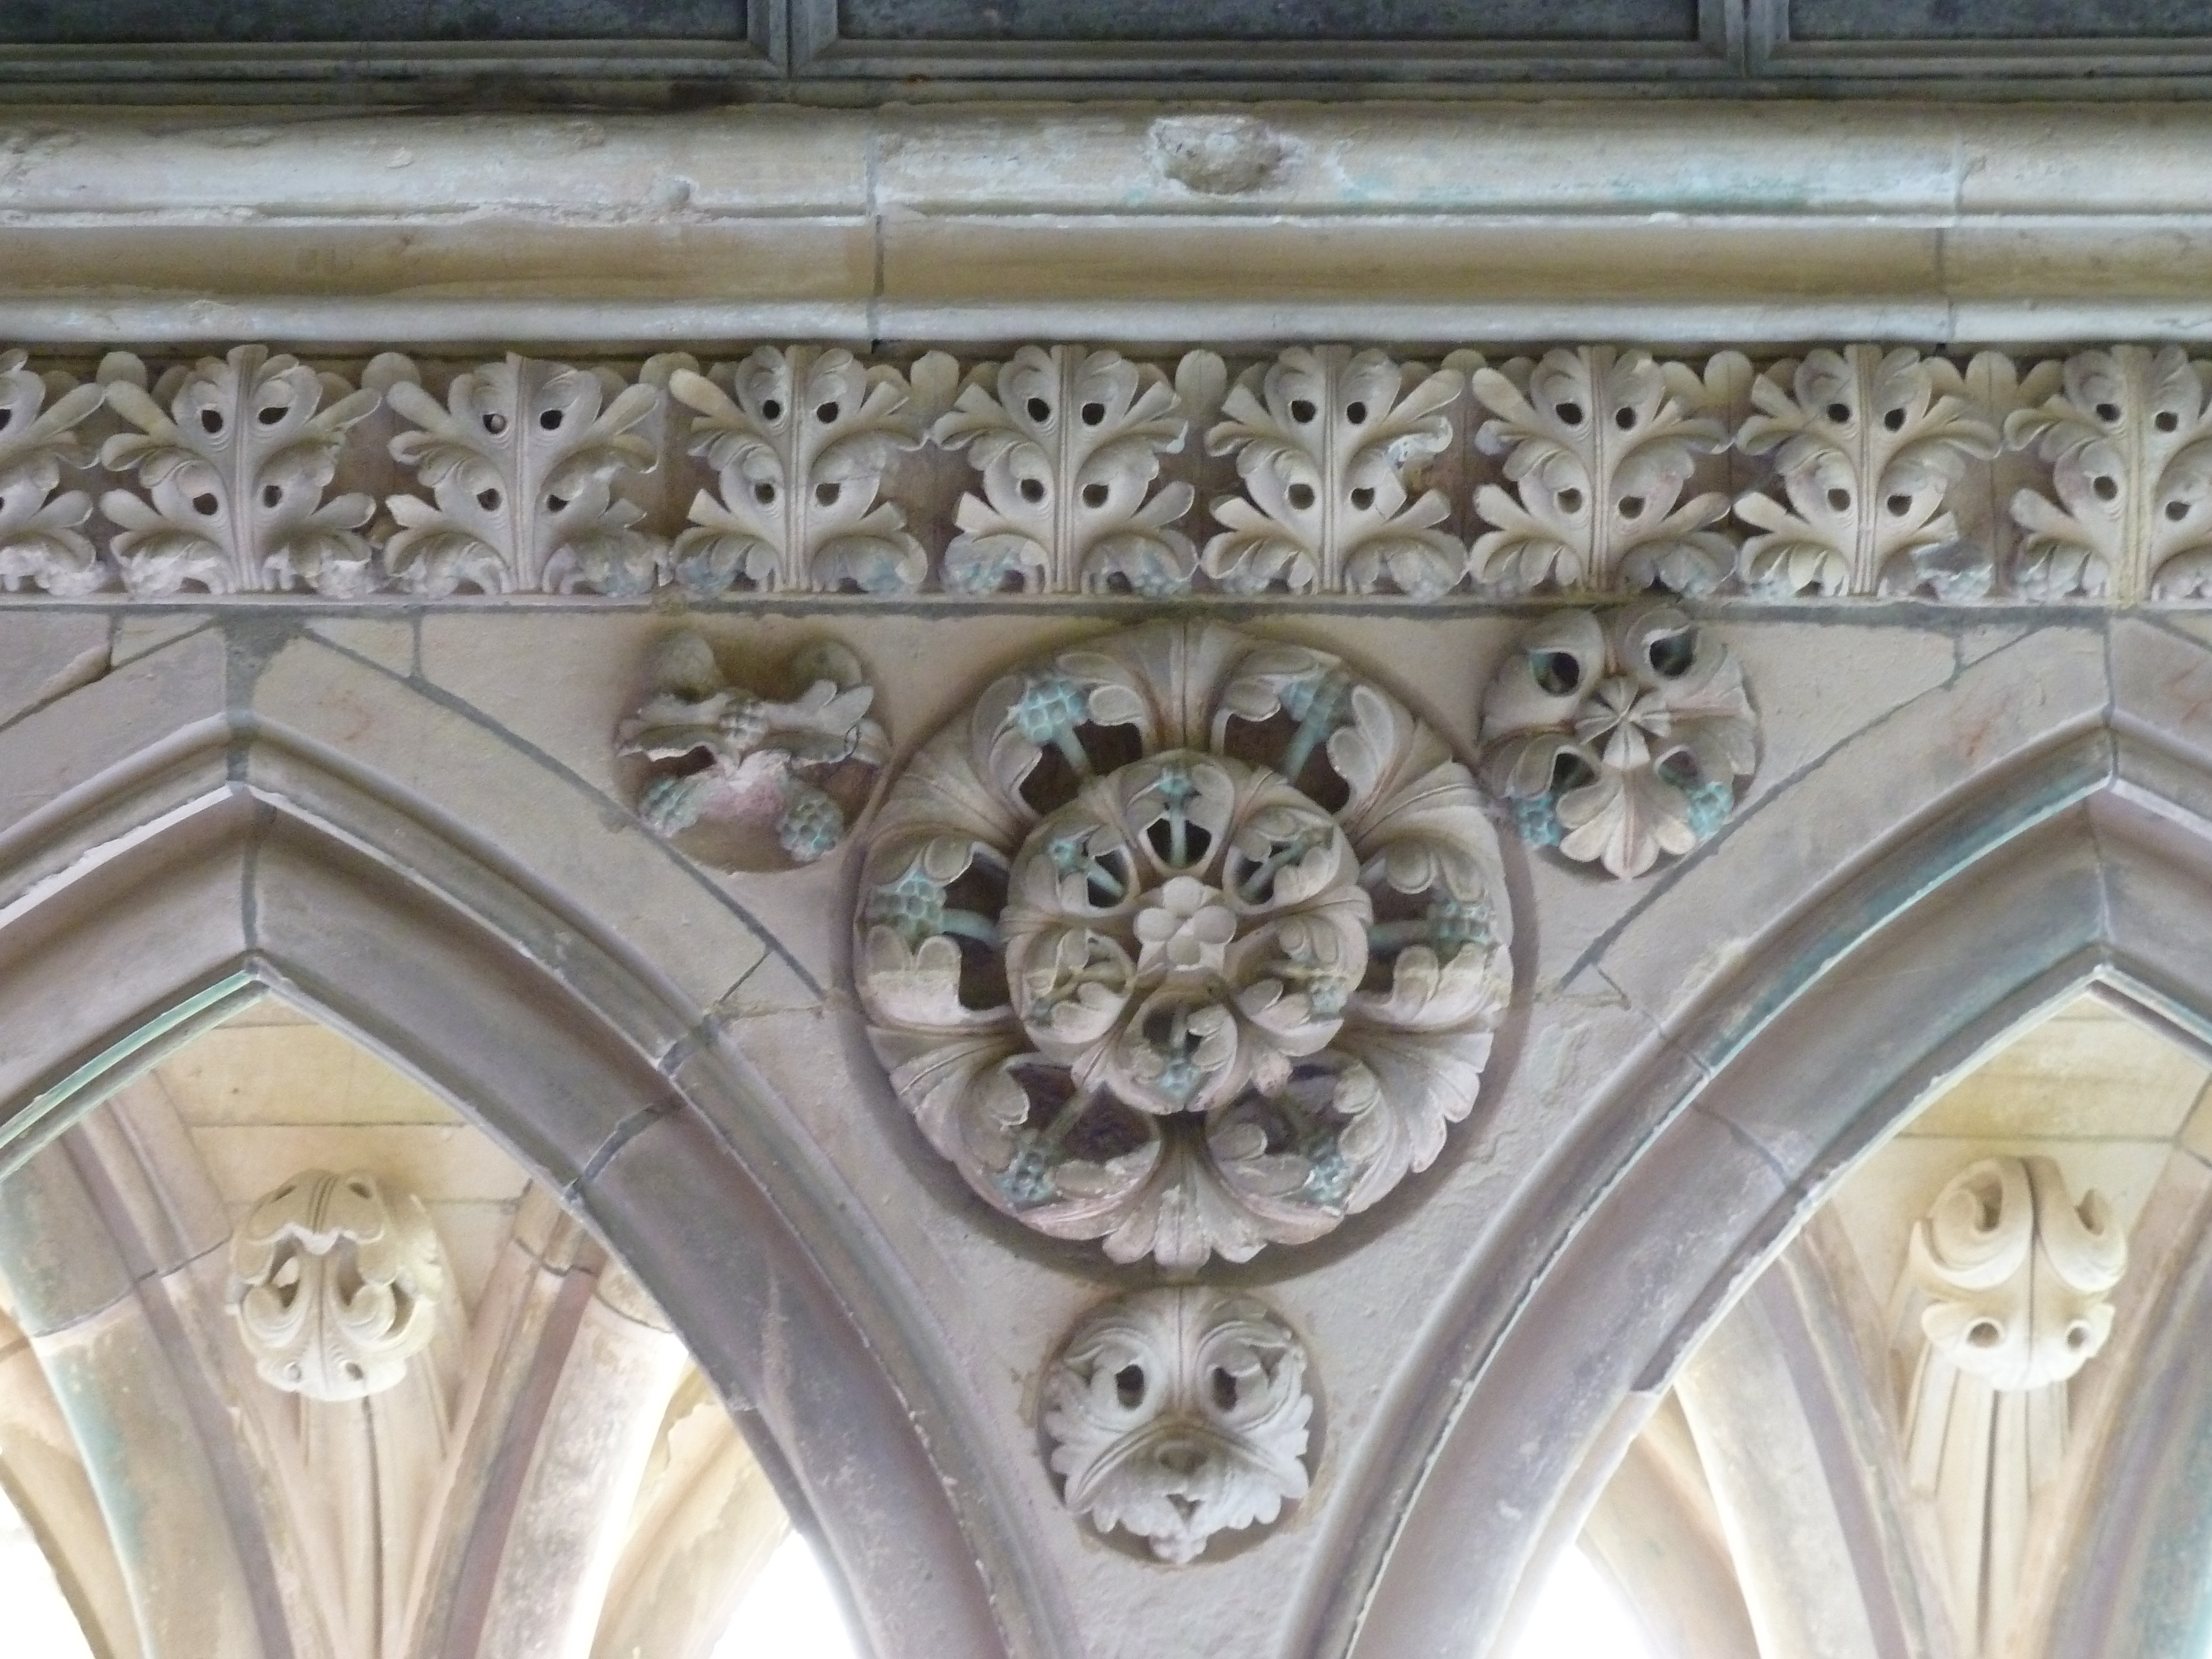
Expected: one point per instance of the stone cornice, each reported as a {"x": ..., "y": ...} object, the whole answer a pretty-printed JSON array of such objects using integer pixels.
[
  {"x": 1467, "y": 223},
  {"x": 1859, "y": 470}
]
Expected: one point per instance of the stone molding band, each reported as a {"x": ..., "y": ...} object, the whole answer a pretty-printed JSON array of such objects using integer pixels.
[{"x": 1585, "y": 470}]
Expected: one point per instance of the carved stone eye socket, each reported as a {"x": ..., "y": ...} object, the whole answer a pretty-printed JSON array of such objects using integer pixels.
[
  {"x": 1569, "y": 414},
  {"x": 2166, "y": 421},
  {"x": 211, "y": 421},
  {"x": 1570, "y": 499},
  {"x": 1301, "y": 496},
  {"x": 1557, "y": 672},
  {"x": 1363, "y": 498},
  {"x": 550, "y": 419},
  {"x": 2108, "y": 413},
  {"x": 2106, "y": 486},
  {"x": 270, "y": 414},
  {"x": 1839, "y": 501},
  {"x": 494, "y": 422},
  {"x": 827, "y": 413},
  {"x": 1839, "y": 413},
  {"x": 764, "y": 494},
  {"x": 1039, "y": 410},
  {"x": 1129, "y": 1386},
  {"x": 1302, "y": 411},
  {"x": 2077, "y": 1336},
  {"x": 1356, "y": 412},
  {"x": 1898, "y": 506},
  {"x": 1225, "y": 1390},
  {"x": 1893, "y": 419},
  {"x": 1625, "y": 419},
  {"x": 771, "y": 409},
  {"x": 1094, "y": 495},
  {"x": 1987, "y": 1333},
  {"x": 1032, "y": 489},
  {"x": 1094, "y": 413},
  {"x": 271, "y": 495},
  {"x": 1671, "y": 654}
]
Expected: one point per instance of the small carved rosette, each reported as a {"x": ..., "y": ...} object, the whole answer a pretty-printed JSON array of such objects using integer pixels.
[
  {"x": 744, "y": 782},
  {"x": 1179, "y": 1413},
  {"x": 1185, "y": 941},
  {"x": 1617, "y": 742},
  {"x": 336, "y": 1282}
]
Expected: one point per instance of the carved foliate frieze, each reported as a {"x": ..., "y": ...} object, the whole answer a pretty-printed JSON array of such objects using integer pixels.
[
  {"x": 1618, "y": 739},
  {"x": 745, "y": 779},
  {"x": 1178, "y": 1414},
  {"x": 1602, "y": 445},
  {"x": 1867, "y": 445},
  {"x": 799, "y": 440},
  {"x": 337, "y": 1282},
  {"x": 1845, "y": 471},
  {"x": 1184, "y": 940}
]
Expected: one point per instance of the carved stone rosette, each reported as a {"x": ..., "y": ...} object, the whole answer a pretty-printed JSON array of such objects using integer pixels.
[
  {"x": 1179, "y": 1413},
  {"x": 1617, "y": 741},
  {"x": 335, "y": 1281},
  {"x": 1184, "y": 940}
]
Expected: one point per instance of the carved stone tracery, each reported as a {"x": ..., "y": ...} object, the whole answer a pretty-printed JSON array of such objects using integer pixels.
[{"x": 1184, "y": 940}]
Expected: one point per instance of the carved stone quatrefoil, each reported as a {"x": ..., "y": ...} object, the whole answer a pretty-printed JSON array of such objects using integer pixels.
[
  {"x": 1184, "y": 940},
  {"x": 1177, "y": 1414}
]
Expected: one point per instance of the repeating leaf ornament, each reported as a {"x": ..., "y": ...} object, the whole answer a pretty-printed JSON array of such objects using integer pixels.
[
  {"x": 1138, "y": 984},
  {"x": 800, "y": 440},
  {"x": 2128, "y": 439},
  {"x": 235, "y": 453},
  {"x": 1619, "y": 743},
  {"x": 41, "y": 540},
  {"x": 1868, "y": 445},
  {"x": 1600, "y": 444},
  {"x": 1323, "y": 438},
  {"x": 521, "y": 460},
  {"x": 1068, "y": 442}
]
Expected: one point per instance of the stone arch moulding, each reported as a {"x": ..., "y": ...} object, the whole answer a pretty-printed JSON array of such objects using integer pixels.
[
  {"x": 2014, "y": 867},
  {"x": 145, "y": 890}
]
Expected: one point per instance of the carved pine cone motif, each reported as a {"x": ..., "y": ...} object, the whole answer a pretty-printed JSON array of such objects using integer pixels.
[{"x": 1185, "y": 941}]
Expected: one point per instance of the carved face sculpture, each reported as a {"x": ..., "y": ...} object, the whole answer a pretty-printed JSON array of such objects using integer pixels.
[
  {"x": 1179, "y": 1413},
  {"x": 336, "y": 1282},
  {"x": 2017, "y": 1275},
  {"x": 1185, "y": 941}
]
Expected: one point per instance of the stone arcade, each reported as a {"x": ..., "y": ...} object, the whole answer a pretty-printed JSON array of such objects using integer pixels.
[{"x": 1196, "y": 871}]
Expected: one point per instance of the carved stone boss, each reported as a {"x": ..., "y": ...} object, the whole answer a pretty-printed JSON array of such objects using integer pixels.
[
  {"x": 1178, "y": 1413},
  {"x": 1857, "y": 470},
  {"x": 337, "y": 1282},
  {"x": 2016, "y": 1279},
  {"x": 1185, "y": 941}
]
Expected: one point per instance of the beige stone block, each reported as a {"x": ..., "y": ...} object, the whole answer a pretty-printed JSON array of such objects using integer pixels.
[
  {"x": 136, "y": 635},
  {"x": 388, "y": 641},
  {"x": 45, "y": 656},
  {"x": 436, "y": 1162},
  {"x": 2140, "y": 158},
  {"x": 577, "y": 841},
  {"x": 242, "y": 1075},
  {"x": 2085, "y": 1074}
]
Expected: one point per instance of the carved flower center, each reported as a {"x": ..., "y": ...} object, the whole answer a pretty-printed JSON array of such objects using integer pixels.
[{"x": 1184, "y": 929}]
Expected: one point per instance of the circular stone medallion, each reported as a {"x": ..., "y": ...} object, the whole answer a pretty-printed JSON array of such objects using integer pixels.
[{"x": 1186, "y": 941}]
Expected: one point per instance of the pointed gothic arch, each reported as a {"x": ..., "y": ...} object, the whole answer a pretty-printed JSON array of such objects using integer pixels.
[
  {"x": 172, "y": 849},
  {"x": 2066, "y": 845}
]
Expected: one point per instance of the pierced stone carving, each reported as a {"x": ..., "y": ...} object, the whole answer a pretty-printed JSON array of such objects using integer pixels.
[
  {"x": 1869, "y": 444},
  {"x": 40, "y": 542},
  {"x": 1602, "y": 444},
  {"x": 234, "y": 468},
  {"x": 337, "y": 1283},
  {"x": 1617, "y": 741},
  {"x": 521, "y": 460},
  {"x": 1179, "y": 1413},
  {"x": 750, "y": 782},
  {"x": 1184, "y": 940},
  {"x": 1068, "y": 442},
  {"x": 1322, "y": 438},
  {"x": 2017, "y": 1280},
  {"x": 800, "y": 439},
  {"x": 2126, "y": 440}
]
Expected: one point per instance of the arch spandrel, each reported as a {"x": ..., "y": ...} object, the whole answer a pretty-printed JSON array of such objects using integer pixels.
[{"x": 380, "y": 906}]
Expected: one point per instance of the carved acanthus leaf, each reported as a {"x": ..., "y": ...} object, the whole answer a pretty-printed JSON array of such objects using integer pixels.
[
  {"x": 1173, "y": 1002},
  {"x": 1068, "y": 442},
  {"x": 1618, "y": 742},
  {"x": 1176, "y": 1414},
  {"x": 800, "y": 439},
  {"x": 337, "y": 1282},
  {"x": 521, "y": 460},
  {"x": 41, "y": 541},
  {"x": 235, "y": 453},
  {"x": 1868, "y": 445},
  {"x": 1602, "y": 443},
  {"x": 2128, "y": 439},
  {"x": 1323, "y": 438},
  {"x": 741, "y": 761}
]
